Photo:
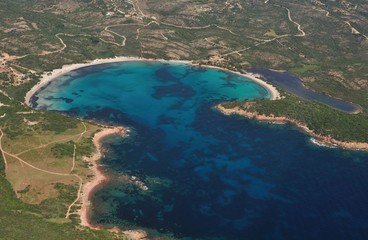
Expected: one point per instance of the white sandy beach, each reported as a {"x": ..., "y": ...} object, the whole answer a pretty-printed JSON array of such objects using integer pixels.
[
  {"x": 275, "y": 94},
  {"x": 49, "y": 76}
]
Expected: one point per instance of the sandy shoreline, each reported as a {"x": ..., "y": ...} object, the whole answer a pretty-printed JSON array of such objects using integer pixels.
[
  {"x": 99, "y": 178},
  {"x": 274, "y": 93},
  {"x": 90, "y": 187},
  {"x": 319, "y": 139},
  {"x": 49, "y": 76}
]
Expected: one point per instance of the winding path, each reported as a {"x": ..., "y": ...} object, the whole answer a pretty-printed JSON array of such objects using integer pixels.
[
  {"x": 56, "y": 141},
  {"x": 16, "y": 156},
  {"x": 355, "y": 31},
  {"x": 2, "y": 151},
  {"x": 265, "y": 41},
  {"x": 114, "y": 33},
  {"x": 302, "y": 33}
]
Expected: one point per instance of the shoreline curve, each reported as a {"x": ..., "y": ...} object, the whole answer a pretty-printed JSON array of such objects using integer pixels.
[
  {"x": 99, "y": 177},
  {"x": 47, "y": 77}
]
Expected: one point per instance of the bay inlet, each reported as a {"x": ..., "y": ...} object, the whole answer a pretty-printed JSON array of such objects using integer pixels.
[{"x": 207, "y": 175}]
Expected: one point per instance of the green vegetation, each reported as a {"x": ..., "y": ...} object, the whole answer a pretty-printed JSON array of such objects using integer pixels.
[
  {"x": 85, "y": 147},
  {"x": 24, "y": 190},
  {"x": 318, "y": 117},
  {"x": 58, "y": 123},
  {"x": 271, "y": 33},
  {"x": 15, "y": 124},
  {"x": 23, "y": 221},
  {"x": 61, "y": 150},
  {"x": 15, "y": 214},
  {"x": 44, "y": 36},
  {"x": 304, "y": 70},
  {"x": 54, "y": 208}
]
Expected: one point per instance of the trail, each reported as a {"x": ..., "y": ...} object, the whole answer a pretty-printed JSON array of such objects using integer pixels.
[
  {"x": 143, "y": 26},
  {"x": 327, "y": 12},
  {"x": 264, "y": 41},
  {"x": 164, "y": 37},
  {"x": 226, "y": 29},
  {"x": 16, "y": 156},
  {"x": 255, "y": 45},
  {"x": 26, "y": 113},
  {"x": 189, "y": 28},
  {"x": 13, "y": 58},
  {"x": 197, "y": 28},
  {"x": 182, "y": 27},
  {"x": 56, "y": 141},
  {"x": 63, "y": 47},
  {"x": 302, "y": 33},
  {"x": 80, "y": 185},
  {"x": 53, "y": 173},
  {"x": 47, "y": 144},
  {"x": 2, "y": 151},
  {"x": 137, "y": 9},
  {"x": 59, "y": 50},
  {"x": 32, "y": 166},
  {"x": 123, "y": 44},
  {"x": 75, "y": 146},
  {"x": 158, "y": 23},
  {"x": 355, "y": 31},
  {"x": 215, "y": 44},
  {"x": 82, "y": 133},
  {"x": 114, "y": 33},
  {"x": 5, "y": 94}
]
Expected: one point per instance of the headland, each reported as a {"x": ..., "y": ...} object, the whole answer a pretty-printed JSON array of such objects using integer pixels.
[{"x": 319, "y": 139}]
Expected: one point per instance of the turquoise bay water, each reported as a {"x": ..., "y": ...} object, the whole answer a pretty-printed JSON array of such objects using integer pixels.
[{"x": 209, "y": 176}]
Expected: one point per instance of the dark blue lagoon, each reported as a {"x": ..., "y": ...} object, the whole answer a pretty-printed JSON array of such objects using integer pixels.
[
  {"x": 209, "y": 176},
  {"x": 293, "y": 84}
]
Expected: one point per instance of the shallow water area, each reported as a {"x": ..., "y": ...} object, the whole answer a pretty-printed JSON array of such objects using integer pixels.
[{"x": 191, "y": 171}]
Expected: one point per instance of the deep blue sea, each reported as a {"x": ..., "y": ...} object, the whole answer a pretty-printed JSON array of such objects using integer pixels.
[{"x": 209, "y": 176}]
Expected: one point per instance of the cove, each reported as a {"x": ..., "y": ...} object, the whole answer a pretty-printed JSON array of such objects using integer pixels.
[
  {"x": 293, "y": 84},
  {"x": 209, "y": 176}
]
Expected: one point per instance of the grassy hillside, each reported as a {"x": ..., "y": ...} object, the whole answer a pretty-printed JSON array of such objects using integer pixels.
[{"x": 23, "y": 221}]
